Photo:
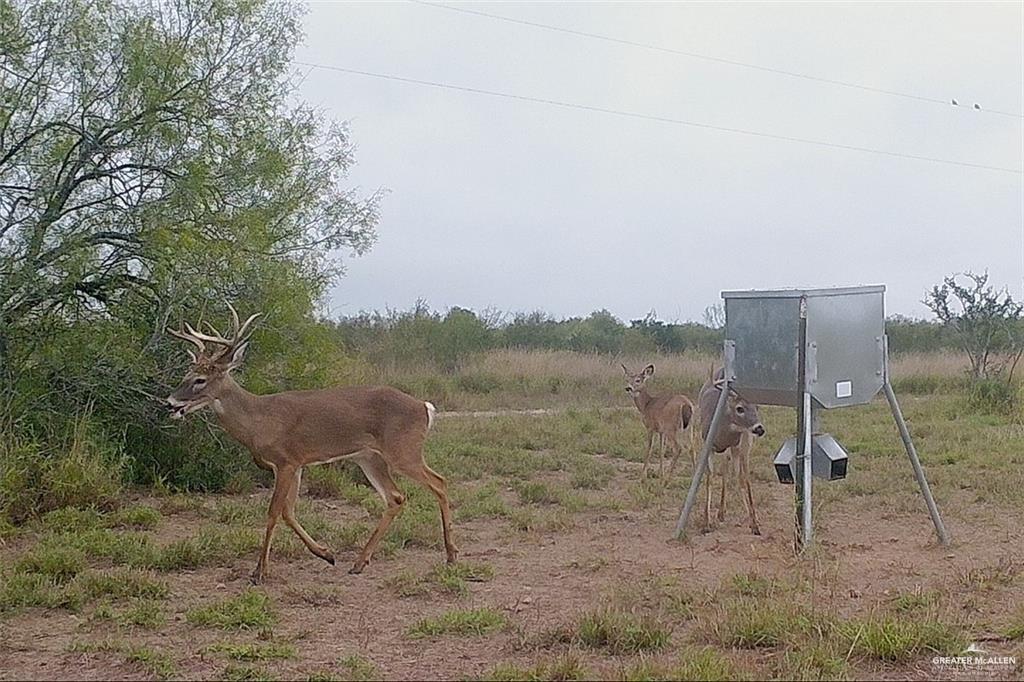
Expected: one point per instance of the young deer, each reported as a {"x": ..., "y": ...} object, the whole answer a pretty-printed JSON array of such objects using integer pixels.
[
  {"x": 735, "y": 434},
  {"x": 379, "y": 428},
  {"x": 665, "y": 416}
]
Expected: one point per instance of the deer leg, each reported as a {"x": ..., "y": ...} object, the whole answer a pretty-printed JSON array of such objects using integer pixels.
[
  {"x": 376, "y": 470},
  {"x": 661, "y": 456},
  {"x": 293, "y": 523},
  {"x": 726, "y": 470},
  {"x": 283, "y": 479},
  {"x": 708, "y": 482},
  {"x": 749, "y": 498},
  {"x": 433, "y": 481},
  {"x": 677, "y": 450},
  {"x": 647, "y": 455},
  {"x": 693, "y": 445}
]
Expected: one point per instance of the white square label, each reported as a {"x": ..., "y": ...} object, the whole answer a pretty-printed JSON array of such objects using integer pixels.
[{"x": 844, "y": 389}]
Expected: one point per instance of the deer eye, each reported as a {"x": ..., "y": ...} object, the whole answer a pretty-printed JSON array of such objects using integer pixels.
[
  {"x": 740, "y": 410},
  {"x": 199, "y": 382}
]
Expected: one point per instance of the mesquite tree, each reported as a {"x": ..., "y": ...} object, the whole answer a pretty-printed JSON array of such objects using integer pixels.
[
  {"x": 154, "y": 161},
  {"x": 986, "y": 322}
]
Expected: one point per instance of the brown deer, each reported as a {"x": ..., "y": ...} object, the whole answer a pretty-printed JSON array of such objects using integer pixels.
[
  {"x": 735, "y": 434},
  {"x": 379, "y": 428},
  {"x": 665, "y": 416}
]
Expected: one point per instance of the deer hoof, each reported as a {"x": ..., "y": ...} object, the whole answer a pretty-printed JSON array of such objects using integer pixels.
[
  {"x": 257, "y": 576},
  {"x": 357, "y": 568},
  {"x": 755, "y": 530},
  {"x": 453, "y": 556}
]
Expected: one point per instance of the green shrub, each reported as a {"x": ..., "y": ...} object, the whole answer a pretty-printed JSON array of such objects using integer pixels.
[
  {"x": 993, "y": 396},
  {"x": 82, "y": 470}
]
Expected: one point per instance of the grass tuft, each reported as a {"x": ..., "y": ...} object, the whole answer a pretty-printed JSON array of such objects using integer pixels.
[
  {"x": 250, "y": 610},
  {"x": 622, "y": 633},
  {"x": 358, "y": 668},
  {"x": 481, "y": 621}
]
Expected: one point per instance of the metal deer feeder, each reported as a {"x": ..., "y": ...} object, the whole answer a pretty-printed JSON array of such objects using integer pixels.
[{"x": 810, "y": 349}]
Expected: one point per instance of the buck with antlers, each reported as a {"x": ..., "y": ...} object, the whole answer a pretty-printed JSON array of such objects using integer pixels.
[
  {"x": 379, "y": 428},
  {"x": 735, "y": 435},
  {"x": 665, "y": 416}
]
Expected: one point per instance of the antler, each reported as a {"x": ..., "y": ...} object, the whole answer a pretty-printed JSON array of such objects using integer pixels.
[
  {"x": 239, "y": 335},
  {"x": 241, "y": 332},
  {"x": 191, "y": 338}
]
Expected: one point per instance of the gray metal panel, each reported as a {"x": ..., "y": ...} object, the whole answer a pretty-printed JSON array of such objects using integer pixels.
[
  {"x": 766, "y": 333},
  {"x": 844, "y": 337}
]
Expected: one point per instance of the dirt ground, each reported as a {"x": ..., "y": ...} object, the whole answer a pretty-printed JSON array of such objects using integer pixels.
[{"x": 542, "y": 580}]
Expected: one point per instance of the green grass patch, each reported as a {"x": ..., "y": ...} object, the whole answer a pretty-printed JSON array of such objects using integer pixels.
[
  {"x": 359, "y": 668},
  {"x": 915, "y": 601},
  {"x": 757, "y": 623},
  {"x": 813, "y": 660},
  {"x": 32, "y": 589},
  {"x": 138, "y": 516},
  {"x": 621, "y": 632},
  {"x": 250, "y": 610},
  {"x": 453, "y": 578},
  {"x": 406, "y": 583},
  {"x": 158, "y": 663},
  {"x": 530, "y": 520},
  {"x": 71, "y": 520},
  {"x": 59, "y": 563},
  {"x": 896, "y": 639},
  {"x": 464, "y": 622},
  {"x": 143, "y": 614},
  {"x": 703, "y": 664}
]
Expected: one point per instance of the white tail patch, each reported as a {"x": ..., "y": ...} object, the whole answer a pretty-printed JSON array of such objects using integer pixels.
[{"x": 431, "y": 411}]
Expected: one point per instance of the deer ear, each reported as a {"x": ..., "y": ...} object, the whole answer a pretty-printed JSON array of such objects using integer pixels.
[
  {"x": 237, "y": 355},
  {"x": 649, "y": 370}
]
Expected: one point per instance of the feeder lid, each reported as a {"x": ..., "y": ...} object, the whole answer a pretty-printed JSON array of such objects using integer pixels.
[{"x": 800, "y": 293}]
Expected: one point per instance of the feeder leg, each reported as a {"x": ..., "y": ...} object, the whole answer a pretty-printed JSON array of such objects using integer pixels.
[
  {"x": 729, "y": 351},
  {"x": 807, "y": 473},
  {"x": 926, "y": 492},
  {"x": 702, "y": 463}
]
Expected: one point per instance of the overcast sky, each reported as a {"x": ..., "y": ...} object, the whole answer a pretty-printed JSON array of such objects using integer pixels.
[{"x": 523, "y": 206}]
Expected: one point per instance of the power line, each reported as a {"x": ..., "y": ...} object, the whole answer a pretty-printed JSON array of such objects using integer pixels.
[
  {"x": 710, "y": 58},
  {"x": 650, "y": 117}
]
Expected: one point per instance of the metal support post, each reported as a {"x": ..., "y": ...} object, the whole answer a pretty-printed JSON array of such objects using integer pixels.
[{"x": 728, "y": 353}]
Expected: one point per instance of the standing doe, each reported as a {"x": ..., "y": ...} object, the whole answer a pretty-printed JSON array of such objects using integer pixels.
[
  {"x": 735, "y": 434},
  {"x": 665, "y": 416},
  {"x": 379, "y": 428}
]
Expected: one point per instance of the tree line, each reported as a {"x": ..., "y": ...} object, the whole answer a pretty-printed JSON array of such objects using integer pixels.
[{"x": 444, "y": 339}]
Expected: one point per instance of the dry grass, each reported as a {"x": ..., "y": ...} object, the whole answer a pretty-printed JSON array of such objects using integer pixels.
[
  {"x": 526, "y": 379},
  {"x": 684, "y": 368},
  {"x": 939, "y": 364}
]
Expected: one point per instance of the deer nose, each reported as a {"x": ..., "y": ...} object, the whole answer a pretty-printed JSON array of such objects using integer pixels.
[{"x": 758, "y": 430}]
